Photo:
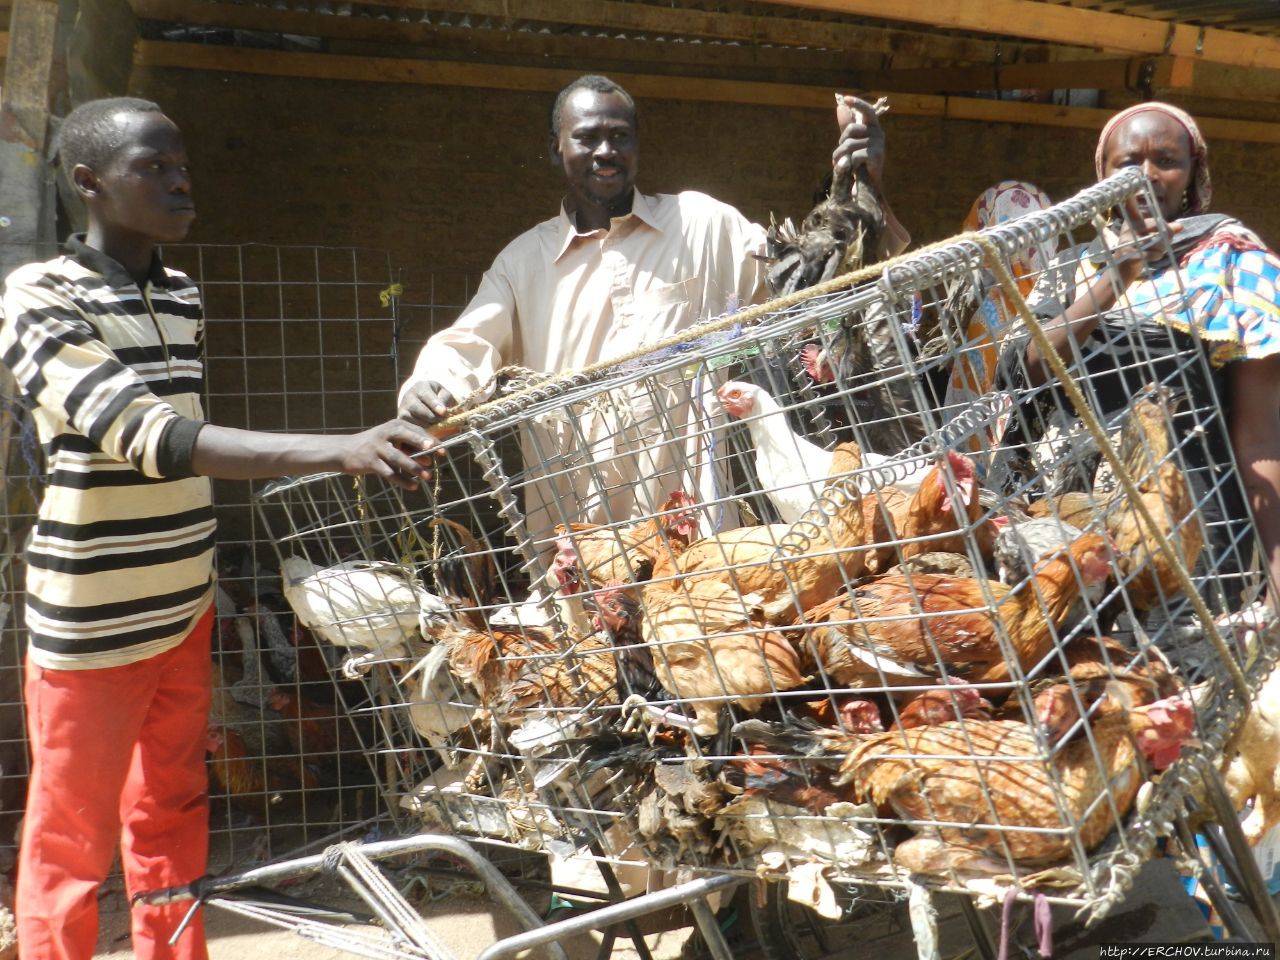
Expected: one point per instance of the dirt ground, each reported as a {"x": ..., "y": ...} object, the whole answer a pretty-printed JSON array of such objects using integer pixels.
[{"x": 465, "y": 923}]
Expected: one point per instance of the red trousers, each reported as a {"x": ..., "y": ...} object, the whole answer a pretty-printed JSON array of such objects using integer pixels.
[{"x": 117, "y": 757}]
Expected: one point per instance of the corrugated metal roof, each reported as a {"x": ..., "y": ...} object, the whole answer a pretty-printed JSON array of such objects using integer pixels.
[{"x": 1250, "y": 16}]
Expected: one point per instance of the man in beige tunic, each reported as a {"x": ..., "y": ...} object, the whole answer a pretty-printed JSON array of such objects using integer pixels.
[{"x": 616, "y": 270}]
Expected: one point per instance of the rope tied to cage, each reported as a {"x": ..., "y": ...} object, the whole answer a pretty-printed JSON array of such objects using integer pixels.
[
  {"x": 468, "y": 419},
  {"x": 996, "y": 262}
]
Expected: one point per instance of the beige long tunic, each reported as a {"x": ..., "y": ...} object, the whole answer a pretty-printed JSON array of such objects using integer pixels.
[{"x": 557, "y": 300}]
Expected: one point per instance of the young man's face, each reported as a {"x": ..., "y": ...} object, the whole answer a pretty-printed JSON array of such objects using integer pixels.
[
  {"x": 597, "y": 148},
  {"x": 145, "y": 189}
]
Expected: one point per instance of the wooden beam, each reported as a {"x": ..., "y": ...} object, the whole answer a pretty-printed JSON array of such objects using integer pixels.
[
  {"x": 348, "y": 34},
  {"x": 195, "y": 56},
  {"x": 28, "y": 72},
  {"x": 100, "y": 50},
  {"x": 1132, "y": 73},
  {"x": 813, "y": 32},
  {"x": 1055, "y": 23}
]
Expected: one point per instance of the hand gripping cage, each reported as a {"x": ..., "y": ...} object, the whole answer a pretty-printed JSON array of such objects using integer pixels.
[{"x": 776, "y": 599}]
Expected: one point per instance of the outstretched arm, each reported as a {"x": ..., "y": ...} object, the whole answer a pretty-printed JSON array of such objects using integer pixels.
[
  {"x": 1074, "y": 324},
  {"x": 385, "y": 450},
  {"x": 1255, "y": 438}
]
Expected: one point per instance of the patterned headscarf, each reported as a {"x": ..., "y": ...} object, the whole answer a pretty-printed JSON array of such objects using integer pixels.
[
  {"x": 1009, "y": 200},
  {"x": 1199, "y": 190}
]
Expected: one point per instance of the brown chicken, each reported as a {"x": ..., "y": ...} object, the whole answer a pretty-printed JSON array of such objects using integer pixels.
[
  {"x": 315, "y": 730},
  {"x": 588, "y": 556},
  {"x": 490, "y": 660},
  {"x": 1146, "y": 445},
  {"x": 1095, "y": 664},
  {"x": 828, "y": 562},
  {"x": 585, "y": 677},
  {"x": 709, "y": 648},
  {"x": 946, "y": 501},
  {"x": 252, "y": 781},
  {"x": 894, "y": 625},
  {"x": 955, "y": 701},
  {"x": 883, "y": 512},
  {"x": 1146, "y": 442},
  {"x": 991, "y": 775}
]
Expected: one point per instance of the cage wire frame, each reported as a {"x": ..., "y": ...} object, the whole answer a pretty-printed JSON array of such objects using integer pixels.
[{"x": 496, "y": 709}]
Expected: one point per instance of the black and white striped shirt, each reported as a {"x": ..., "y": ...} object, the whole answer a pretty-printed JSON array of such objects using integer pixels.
[{"x": 121, "y": 561}]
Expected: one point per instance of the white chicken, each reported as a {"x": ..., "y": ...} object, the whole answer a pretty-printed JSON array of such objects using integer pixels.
[
  {"x": 791, "y": 469},
  {"x": 439, "y": 706},
  {"x": 370, "y": 607}
]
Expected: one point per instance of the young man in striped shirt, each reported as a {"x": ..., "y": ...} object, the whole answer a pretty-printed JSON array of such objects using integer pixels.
[{"x": 105, "y": 342}]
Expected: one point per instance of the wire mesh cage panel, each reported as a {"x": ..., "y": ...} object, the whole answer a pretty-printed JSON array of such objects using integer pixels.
[{"x": 846, "y": 592}]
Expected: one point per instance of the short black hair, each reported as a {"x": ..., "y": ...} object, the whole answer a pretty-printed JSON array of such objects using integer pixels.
[
  {"x": 595, "y": 83},
  {"x": 90, "y": 134}
]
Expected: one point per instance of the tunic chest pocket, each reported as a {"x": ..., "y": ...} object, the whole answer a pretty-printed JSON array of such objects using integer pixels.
[{"x": 666, "y": 308}]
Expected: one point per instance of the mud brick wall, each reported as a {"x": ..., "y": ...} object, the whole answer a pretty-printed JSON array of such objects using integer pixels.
[{"x": 442, "y": 177}]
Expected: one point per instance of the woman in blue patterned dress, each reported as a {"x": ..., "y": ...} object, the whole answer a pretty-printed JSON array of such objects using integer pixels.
[{"x": 1130, "y": 314}]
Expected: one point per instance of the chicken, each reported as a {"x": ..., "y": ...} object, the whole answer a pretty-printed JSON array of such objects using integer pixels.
[
  {"x": 709, "y": 646},
  {"x": 894, "y": 625},
  {"x": 991, "y": 776},
  {"x": 956, "y": 701},
  {"x": 865, "y": 361},
  {"x": 1146, "y": 443},
  {"x": 489, "y": 661},
  {"x": 883, "y": 511},
  {"x": 784, "y": 582},
  {"x": 951, "y": 564},
  {"x": 1252, "y": 762},
  {"x": 1094, "y": 665},
  {"x": 465, "y": 570},
  {"x": 840, "y": 234},
  {"x": 794, "y": 782},
  {"x": 946, "y": 501},
  {"x": 1146, "y": 449},
  {"x": 588, "y": 556},
  {"x": 792, "y": 470},
  {"x": 313, "y": 730},
  {"x": 620, "y": 619},
  {"x": 374, "y": 608},
  {"x": 585, "y": 677},
  {"x": 441, "y": 708},
  {"x": 249, "y": 779},
  {"x": 1018, "y": 547}
]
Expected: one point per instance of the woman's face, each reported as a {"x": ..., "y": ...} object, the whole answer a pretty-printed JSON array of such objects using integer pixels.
[{"x": 1158, "y": 146}]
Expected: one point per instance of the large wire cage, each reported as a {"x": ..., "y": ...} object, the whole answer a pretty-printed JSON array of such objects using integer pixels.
[{"x": 778, "y": 599}]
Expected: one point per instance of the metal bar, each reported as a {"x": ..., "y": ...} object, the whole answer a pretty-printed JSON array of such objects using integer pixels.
[
  {"x": 1255, "y": 885},
  {"x": 1209, "y": 879},
  {"x": 495, "y": 883},
  {"x": 608, "y": 916},
  {"x": 619, "y": 895},
  {"x": 977, "y": 929},
  {"x": 717, "y": 946}
]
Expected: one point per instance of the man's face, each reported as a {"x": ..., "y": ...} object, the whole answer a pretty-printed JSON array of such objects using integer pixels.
[
  {"x": 597, "y": 148},
  {"x": 145, "y": 189}
]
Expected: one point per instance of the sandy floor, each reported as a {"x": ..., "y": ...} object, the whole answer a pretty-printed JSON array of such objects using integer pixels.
[{"x": 465, "y": 922}]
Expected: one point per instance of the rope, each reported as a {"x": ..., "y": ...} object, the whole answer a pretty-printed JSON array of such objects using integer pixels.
[
  {"x": 751, "y": 315},
  {"x": 1091, "y": 423}
]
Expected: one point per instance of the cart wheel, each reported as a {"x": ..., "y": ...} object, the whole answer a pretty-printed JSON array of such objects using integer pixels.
[{"x": 789, "y": 931}]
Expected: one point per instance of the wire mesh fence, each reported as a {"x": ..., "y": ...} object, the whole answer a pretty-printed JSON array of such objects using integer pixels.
[
  {"x": 300, "y": 339},
  {"x": 775, "y": 602}
]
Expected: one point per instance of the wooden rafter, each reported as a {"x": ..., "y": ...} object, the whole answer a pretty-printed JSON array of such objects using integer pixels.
[
  {"x": 1056, "y": 23},
  {"x": 629, "y": 17},
  {"x": 348, "y": 34},
  {"x": 494, "y": 76}
]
